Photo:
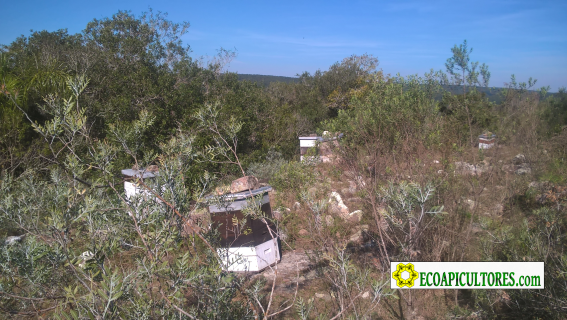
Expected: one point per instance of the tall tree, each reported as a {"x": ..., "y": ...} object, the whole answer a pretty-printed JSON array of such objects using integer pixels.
[{"x": 464, "y": 72}]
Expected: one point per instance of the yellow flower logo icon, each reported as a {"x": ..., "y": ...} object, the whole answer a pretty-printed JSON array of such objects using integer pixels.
[{"x": 397, "y": 275}]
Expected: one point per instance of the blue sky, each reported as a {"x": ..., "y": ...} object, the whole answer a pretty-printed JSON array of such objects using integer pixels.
[{"x": 525, "y": 38}]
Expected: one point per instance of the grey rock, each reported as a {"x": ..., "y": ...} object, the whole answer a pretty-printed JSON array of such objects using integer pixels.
[
  {"x": 243, "y": 184},
  {"x": 466, "y": 168},
  {"x": 523, "y": 169},
  {"x": 356, "y": 215},
  {"x": 337, "y": 205},
  {"x": 519, "y": 159},
  {"x": 358, "y": 236}
]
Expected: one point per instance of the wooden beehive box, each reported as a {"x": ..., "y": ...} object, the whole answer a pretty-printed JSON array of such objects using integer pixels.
[
  {"x": 486, "y": 140},
  {"x": 249, "y": 247}
]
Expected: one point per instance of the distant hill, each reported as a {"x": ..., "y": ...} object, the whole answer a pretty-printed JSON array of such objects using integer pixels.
[
  {"x": 265, "y": 80},
  {"x": 492, "y": 93}
]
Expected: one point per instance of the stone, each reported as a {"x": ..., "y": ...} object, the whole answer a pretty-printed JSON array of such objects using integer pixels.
[
  {"x": 356, "y": 215},
  {"x": 358, "y": 236},
  {"x": 465, "y": 168},
  {"x": 303, "y": 232},
  {"x": 366, "y": 295},
  {"x": 519, "y": 159},
  {"x": 523, "y": 169},
  {"x": 337, "y": 205},
  {"x": 435, "y": 161},
  {"x": 244, "y": 184}
]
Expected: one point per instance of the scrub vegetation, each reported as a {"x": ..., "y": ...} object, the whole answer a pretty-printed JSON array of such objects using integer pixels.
[{"x": 75, "y": 109}]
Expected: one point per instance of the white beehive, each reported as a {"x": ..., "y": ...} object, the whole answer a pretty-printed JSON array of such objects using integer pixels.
[
  {"x": 486, "y": 141},
  {"x": 254, "y": 250},
  {"x": 319, "y": 147},
  {"x": 131, "y": 187}
]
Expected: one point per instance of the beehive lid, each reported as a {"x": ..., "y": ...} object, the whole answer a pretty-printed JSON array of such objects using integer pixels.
[
  {"x": 327, "y": 137},
  {"x": 243, "y": 195},
  {"x": 139, "y": 173},
  {"x": 311, "y": 138},
  {"x": 487, "y": 136}
]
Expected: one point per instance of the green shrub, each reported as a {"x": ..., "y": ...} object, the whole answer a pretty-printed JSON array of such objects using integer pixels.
[
  {"x": 266, "y": 170},
  {"x": 293, "y": 176}
]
